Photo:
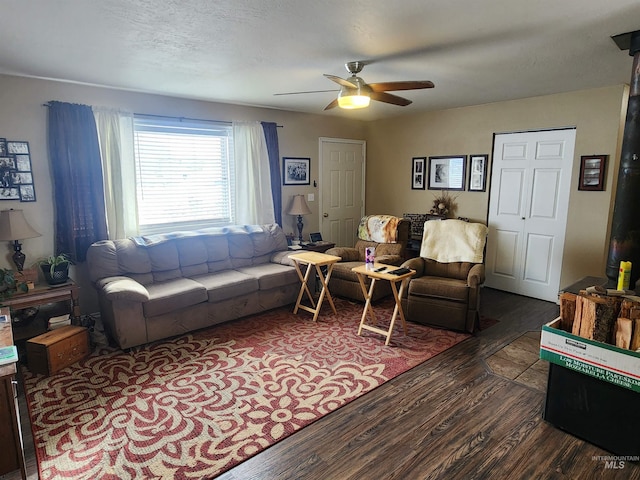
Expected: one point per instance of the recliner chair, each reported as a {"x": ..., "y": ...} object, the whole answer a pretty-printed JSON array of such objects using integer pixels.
[
  {"x": 445, "y": 291},
  {"x": 389, "y": 236}
]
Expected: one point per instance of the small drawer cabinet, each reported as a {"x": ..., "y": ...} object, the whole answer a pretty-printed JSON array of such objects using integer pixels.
[{"x": 57, "y": 349}]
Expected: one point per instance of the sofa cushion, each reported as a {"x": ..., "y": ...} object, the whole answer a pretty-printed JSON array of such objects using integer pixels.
[
  {"x": 440, "y": 287},
  {"x": 271, "y": 275},
  {"x": 227, "y": 284},
  {"x": 172, "y": 295}
]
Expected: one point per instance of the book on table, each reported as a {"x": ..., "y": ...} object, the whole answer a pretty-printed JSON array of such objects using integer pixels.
[{"x": 8, "y": 354}]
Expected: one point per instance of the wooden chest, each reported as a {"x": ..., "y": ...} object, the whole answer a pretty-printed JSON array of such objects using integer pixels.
[{"x": 57, "y": 349}]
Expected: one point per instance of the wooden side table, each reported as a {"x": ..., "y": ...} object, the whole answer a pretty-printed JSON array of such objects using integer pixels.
[
  {"x": 12, "y": 451},
  {"x": 43, "y": 294},
  {"x": 317, "y": 260},
  {"x": 362, "y": 271}
]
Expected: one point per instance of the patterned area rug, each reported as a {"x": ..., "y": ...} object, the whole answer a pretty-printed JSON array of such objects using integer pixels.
[{"x": 201, "y": 403}]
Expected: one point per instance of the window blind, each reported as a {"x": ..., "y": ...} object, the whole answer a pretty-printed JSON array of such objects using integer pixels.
[{"x": 183, "y": 173}]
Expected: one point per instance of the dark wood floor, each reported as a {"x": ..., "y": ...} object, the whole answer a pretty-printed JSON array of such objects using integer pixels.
[{"x": 448, "y": 418}]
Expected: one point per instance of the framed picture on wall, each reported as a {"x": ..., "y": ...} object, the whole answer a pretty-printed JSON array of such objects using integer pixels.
[
  {"x": 15, "y": 147},
  {"x": 418, "y": 165},
  {"x": 295, "y": 171},
  {"x": 592, "y": 168},
  {"x": 447, "y": 173},
  {"x": 478, "y": 173}
]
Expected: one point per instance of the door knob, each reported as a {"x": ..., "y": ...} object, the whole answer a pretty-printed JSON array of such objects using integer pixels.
[
  {"x": 325, "y": 215},
  {"x": 522, "y": 218}
]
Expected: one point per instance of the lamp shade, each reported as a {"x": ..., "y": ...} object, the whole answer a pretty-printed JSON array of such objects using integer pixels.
[
  {"x": 357, "y": 97},
  {"x": 299, "y": 206},
  {"x": 351, "y": 99},
  {"x": 13, "y": 226}
]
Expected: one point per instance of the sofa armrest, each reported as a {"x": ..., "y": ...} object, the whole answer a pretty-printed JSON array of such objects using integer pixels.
[
  {"x": 348, "y": 254},
  {"x": 416, "y": 264},
  {"x": 476, "y": 275},
  {"x": 123, "y": 288},
  {"x": 282, "y": 258},
  {"x": 390, "y": 259}
]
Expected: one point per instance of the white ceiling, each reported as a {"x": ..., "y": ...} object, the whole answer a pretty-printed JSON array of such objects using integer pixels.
[{"x": 245, "y": 51}]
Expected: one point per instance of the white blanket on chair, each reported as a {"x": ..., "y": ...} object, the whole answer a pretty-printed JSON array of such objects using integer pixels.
[{"x": 448, "y": 241}]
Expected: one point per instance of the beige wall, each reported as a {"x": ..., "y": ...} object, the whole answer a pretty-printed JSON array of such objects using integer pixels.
[
  {"x": 596, "y": 114},
  {"x": 23, "y": 117},
  {"x": 390, "y": 146}
]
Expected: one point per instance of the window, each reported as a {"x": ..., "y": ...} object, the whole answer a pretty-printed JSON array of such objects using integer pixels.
[{"x": 183, "y": 173}]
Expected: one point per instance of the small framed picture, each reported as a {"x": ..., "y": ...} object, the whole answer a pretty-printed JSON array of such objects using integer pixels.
[
  {"x": 3, "y": 147},
  {"x": 295, "y": 171},
  {"x": 447, "y": 173},
  {"x": 23, "y": 163},
  {"x": 417, "y": 173},
  {"x": 21, "y": 178},
  {"x": 27, "y": 193},
  {"x": 4, "y": 319},
  {"x": 592, "y": 168},
  {"x": 17, "y": 147},
  {"x": 7, "y": 162},
  {"x": 478, "y": 173},
  {"x": 9, "y": 193}
]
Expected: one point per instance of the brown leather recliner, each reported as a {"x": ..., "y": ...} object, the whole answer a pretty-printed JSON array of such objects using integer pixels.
[
  {"x": 447, "y": 293},
  {"x": 344, "y": 283}
]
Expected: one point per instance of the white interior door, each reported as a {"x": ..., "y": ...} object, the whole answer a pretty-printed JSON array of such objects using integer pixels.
[
  {"x": 529, "y": 198},
  {"x": 342, "y": 179}
]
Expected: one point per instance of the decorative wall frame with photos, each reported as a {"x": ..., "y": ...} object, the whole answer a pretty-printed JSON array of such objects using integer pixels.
[
  {"x": 16, "y": 176},
  {"x": 447, "y": 173}
]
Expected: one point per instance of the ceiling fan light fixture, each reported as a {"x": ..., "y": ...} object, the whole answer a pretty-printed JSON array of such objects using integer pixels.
[{"x": 353, "y": 98}]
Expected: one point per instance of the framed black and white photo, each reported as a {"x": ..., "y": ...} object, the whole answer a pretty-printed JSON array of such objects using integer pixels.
[
  {"x": 447, "y": 173},
  {"x": 27, "y": 193},
  {"x": 3, "y": 147},
  {"x": 23, "y": 163},
  {"x": 295, "y": 171},
  {"x": 21, "y": 178},
  {"x": 9, "y": 193},
  {"x": 478, "y": 173},
  {"x": 592, "y": 168},
  {"x": 17, "y": 147},
  {"x": 7, "y": 163},
  {"x": 417, "y": 173}
]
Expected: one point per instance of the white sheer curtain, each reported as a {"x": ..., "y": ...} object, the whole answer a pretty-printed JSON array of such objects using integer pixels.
[
  {"x": 254, "y": 202},
  {"x": 115, "y": 134}
]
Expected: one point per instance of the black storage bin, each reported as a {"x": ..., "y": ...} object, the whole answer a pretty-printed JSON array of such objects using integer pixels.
[{"x": 596, "y": 411}]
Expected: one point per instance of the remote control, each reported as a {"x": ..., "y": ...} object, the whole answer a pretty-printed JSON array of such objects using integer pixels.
[
  {"x": 400, "y": 271},
  {"x": 381, "y": 269}
]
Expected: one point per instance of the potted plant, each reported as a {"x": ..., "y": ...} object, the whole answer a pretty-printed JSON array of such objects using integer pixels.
[
  {"x": 9, "y": 285},
  {"x": 55, "y": 268}
]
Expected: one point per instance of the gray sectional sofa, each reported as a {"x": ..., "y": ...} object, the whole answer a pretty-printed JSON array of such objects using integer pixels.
[{"x": 160, "y": 286}]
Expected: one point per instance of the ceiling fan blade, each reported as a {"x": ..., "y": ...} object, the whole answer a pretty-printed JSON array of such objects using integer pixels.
[
  {"x": 388, "y": 98},
  {"x": 393, "y": 86},
  {"x": 340, "y": 81},
  {"x": 333, "y": 104},
  {"x": 310, "y": 91}
]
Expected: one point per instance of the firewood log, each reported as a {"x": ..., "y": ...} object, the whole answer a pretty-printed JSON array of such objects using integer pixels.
[
  {"x": 598, "y": 316},
  {"x": 623, "y": 327},
  {"x": 567, "y": 310},
  {"x": 635, "y": 335}
]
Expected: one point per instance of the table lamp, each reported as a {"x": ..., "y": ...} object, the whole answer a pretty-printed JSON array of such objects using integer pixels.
[
  {"x": 299, "y": 207},
  {"x": 14, "y": 227}
]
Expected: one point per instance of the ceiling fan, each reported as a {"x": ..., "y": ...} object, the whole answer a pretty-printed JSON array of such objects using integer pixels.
[{"x": 355, "y": 93}]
